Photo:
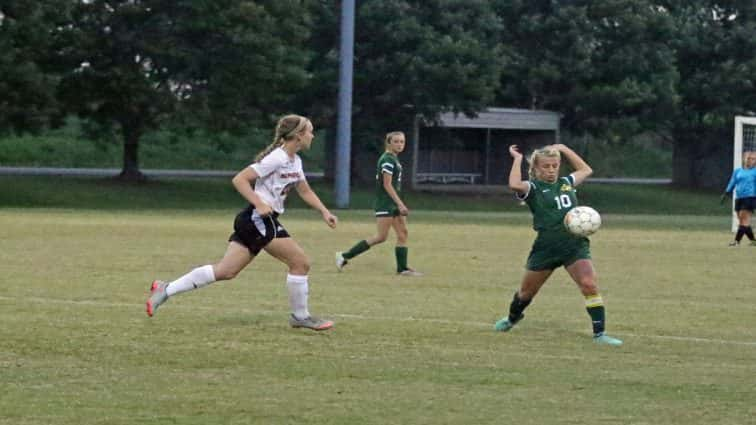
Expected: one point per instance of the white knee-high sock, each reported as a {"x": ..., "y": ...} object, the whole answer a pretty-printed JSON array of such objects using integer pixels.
[
  {"x": 298, "y": 291},
  {"x": 195, "y": 279}
]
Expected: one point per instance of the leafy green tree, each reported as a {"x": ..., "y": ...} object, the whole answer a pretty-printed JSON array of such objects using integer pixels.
[
  {"x": 607, "y": 66},
  {"x": 27, "y": 84},
  {"x": 423, "y": 57},
  {"x": 113, "y": 54},
  {"x": 715, "y": 51},
  {"x": 412, "y": 57},
  {"x": 250, "y": 60},
  {"x": 133, "y": 63}
]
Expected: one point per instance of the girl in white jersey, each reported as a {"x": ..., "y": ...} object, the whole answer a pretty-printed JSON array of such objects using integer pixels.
[{"x": 276, "y": 170}]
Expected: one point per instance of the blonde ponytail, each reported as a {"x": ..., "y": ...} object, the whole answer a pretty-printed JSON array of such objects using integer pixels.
[
  {"x": 270, "y": 148},
  {"x": 287, "y": 127}
]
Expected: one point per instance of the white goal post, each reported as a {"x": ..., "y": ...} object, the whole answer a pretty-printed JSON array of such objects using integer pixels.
[{"x": 745, "y": 141}]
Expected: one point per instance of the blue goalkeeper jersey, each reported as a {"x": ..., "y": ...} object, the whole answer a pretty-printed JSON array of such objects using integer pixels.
[{"x": 743, "y": 181}]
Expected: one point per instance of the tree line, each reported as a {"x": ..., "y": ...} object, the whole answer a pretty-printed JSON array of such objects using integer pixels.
[{"x": 678, "y": 69}]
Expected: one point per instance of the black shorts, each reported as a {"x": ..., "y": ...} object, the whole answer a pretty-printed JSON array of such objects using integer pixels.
[
  {"x": 256, "y": 232},
  {"x": 748, "y": 204}
]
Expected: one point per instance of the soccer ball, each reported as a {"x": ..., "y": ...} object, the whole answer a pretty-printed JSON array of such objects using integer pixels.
[{"x": 582, "y": 221}]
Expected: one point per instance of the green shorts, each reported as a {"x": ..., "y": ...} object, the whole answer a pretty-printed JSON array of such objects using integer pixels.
[
  {"x": 551, "y": 253},
  {"x": 385, "y": 207},
  {"x": 387, "y": 212}
]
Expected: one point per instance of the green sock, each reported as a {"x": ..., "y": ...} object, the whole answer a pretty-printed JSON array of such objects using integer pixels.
[
  {"x": 401, "y": 258},
  {"x": 356, "y": 250}
]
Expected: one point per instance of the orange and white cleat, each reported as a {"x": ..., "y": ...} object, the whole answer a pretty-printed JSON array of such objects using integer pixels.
[
  {"x": 158, "y": 296},
  {"x": 311, "y": 322},
  {"x": 410, "y": 272}
]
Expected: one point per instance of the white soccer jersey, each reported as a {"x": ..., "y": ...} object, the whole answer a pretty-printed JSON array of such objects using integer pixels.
[{"x": 278, "y": 173}]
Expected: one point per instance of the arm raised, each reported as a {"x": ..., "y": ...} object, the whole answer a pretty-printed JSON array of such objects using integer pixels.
[
  {"x": 582, "y": 169},
  {"x": 515, "y": 174}
]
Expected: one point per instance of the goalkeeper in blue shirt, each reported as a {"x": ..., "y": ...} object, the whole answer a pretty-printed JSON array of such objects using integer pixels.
[{"x": 743, "y": 183}]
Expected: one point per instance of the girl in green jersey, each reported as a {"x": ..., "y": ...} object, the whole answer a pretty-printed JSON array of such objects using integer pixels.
[
  {"x": 549, "y": 197},
  {"x": 390, "y": 211}
]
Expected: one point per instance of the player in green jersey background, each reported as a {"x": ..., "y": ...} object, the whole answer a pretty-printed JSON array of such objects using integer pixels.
[
  {"x": 549, "y": 197},
  {"x": 390, "y": 211}
]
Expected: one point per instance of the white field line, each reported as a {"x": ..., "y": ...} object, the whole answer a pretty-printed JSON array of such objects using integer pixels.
[{"x": 140, "y": 306}]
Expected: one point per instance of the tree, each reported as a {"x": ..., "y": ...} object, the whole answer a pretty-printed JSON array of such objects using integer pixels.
[
  {"x": 27, "y": 85},
  {"x": 424, "y": 57},
  {"x": 716, "y": 56},
  {"x": 251, "y": 60},
  {"x": 419, "y": 57},
  {"x": 605, "y": 65},
  {"x": 133, "y": 63}
]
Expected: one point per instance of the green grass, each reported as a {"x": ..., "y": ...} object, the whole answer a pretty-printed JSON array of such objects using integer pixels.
[
  {"x": 77, "y": 348},
  {"x": 217, "y": 193}
]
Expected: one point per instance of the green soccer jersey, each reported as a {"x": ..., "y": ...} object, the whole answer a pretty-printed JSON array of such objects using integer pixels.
[
  {"x": 387, "y": 163},
  {"x": 549, "y": 203},
  {"x": 554, "y": 246}
]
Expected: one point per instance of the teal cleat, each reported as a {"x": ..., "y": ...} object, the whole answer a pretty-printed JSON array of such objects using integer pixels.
[
  {"x": 504, "y": 324},
  {"x": 606, "y": 340}
]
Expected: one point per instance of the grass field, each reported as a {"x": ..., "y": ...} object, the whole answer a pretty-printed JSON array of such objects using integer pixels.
[{"x": 77, "y": 348}]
